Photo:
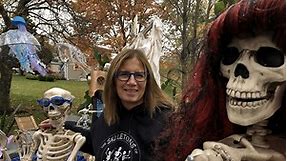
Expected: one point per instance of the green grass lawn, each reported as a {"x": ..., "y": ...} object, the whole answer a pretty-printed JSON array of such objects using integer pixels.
[{"x": 26, "y": 92}]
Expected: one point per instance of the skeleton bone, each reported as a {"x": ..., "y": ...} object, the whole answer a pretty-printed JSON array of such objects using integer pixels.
[
  {"x": 84, "y": 120},
  {"x": 25, "y": 144},
  {"x": 258, "y": 133},
  {"x": 58, "y": 146},
  {"x": 57, "y": 143},
  {"x": 254, "y": 93},
  {"x": 242, "y": 149}
]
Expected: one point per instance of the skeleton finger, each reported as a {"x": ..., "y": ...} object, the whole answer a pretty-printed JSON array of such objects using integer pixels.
[
  {"x": 223, "y": 153},
  {"x": 213, "y": 155},
  {"x": 243, "y": 141},
  {"x": 247, "y": 144},
  {"x": 206, "y": 155},
  {"x": 196, "y": 152}
]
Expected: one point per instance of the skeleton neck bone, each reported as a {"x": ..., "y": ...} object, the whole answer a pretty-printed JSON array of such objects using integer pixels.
[{"x": 258, "y": 133}]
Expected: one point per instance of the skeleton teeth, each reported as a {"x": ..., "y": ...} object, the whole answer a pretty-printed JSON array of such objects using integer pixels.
[
  {"x": 253, "y": 104},
  {"x": 257, "y": 95},
  {"x": 244, "y": 104},
  {"x": 237, "y": 94},
  {"x": 232, "y": 101},
  {"x": 248, "y": 95},
  {"x": 229, "y": 91},
  {"x": 253, "y": 95},
  {"x": 232, "y": 94},
  {"x": 243, "y": 95},
  {"x": 239, "y": 103}
]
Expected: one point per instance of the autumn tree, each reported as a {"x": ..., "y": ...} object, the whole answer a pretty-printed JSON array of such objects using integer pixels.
[
  {"x": 189, "y": 19},
  {"x": 108, "y": 22},
  {"x": 51, "y": 19}
]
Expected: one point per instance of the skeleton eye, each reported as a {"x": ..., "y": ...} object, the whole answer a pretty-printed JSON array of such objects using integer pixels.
[
  {"x": 230, "y": 55},
  {"x": 269, "y": 57}
]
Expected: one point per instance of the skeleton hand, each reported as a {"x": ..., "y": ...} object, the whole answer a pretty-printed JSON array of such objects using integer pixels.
[
  {"x": 215, "y": 151},
  {"x": 25, "y": 143}
]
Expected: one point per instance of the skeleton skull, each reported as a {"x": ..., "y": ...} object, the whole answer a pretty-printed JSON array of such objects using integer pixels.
[
  {"x": 58, "y": 106},
  {"x": 255, "y": 68}
]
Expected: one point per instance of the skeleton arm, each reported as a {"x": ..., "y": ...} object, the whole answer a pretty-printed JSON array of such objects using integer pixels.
[
  {"x": 216, "y": 151},
  {"x": 36, "y": 142},
  {"x": 79, "y": 140},
  {"x": 25, "y": 143}
]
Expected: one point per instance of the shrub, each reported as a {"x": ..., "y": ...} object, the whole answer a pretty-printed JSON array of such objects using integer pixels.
[
  {"x": 47, "y": 78},
  {"x": 31, "y": 77},
  {"x": 58, "y": 76}
]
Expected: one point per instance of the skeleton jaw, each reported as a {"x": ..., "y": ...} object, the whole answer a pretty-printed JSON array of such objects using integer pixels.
[
  {"x": 56, "y": 119},
  {"x": 249, "y": 107}
]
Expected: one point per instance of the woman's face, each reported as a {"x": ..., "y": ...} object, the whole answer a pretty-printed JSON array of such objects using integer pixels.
[{"x": 131, "y": 83}]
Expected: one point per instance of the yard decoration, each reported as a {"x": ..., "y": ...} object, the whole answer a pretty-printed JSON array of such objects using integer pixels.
[
  {"x": 56, "y": 143},
  {"x": 150, "y": 44},
  {"x": 69, "y": 53},
  {"x": 23, "y": 46}
]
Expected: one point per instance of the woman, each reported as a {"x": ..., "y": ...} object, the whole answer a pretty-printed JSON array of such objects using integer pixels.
[
  {"x": 203, "y": 115},
  {"x": 134, "y": 114}
]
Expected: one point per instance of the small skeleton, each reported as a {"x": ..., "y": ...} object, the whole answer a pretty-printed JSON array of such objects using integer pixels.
[
  {"x": 54, "y": 143},
  {"x": 254, "y": 93},
  {"x": 84, "y": 120},
  {"x": 25, "y": 143}
]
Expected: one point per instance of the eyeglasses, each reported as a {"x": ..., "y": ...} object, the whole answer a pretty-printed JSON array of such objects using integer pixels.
[
  {"x": 125, "y": 76},
  {"x": 57, "y": 100}
]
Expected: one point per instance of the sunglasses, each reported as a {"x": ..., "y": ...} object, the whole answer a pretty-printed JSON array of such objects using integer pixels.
[
  {"x": 57, "y": 100},
  {"x": 125, "y": 76}
]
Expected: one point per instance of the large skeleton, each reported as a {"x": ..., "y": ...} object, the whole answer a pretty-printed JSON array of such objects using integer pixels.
[
  {"x": 255, "y": 69},
  {"x": 56, "y": 143}
]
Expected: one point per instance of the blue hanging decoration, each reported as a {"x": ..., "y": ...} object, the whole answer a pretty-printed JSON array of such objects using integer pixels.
[{"x": 24, "y": 47}]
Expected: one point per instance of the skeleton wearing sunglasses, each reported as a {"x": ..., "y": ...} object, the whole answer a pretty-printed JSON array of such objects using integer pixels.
[{"x": 53, "y": 142}]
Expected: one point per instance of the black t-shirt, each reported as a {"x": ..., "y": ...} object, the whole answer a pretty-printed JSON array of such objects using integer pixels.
[{"x": 130, "y": 139}]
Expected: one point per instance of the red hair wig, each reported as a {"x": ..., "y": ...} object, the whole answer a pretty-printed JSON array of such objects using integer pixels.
[{"x": 202, "y": 115}]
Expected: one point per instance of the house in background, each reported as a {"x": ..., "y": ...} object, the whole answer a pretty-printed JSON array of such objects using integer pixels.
[
  {"x": 69, "y": 66},
  {"x": 73, "y": 71},
  {"x": 68, "y": 71},
  {"x": 55, "y": 67}
]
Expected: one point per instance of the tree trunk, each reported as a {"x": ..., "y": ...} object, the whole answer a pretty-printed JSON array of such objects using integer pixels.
[
  {"x": 184, "y": 39},
  {"x": 5, "y": 80}
]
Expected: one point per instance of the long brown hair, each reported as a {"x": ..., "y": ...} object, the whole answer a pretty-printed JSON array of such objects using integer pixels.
[{"x": 153, "y": 96}]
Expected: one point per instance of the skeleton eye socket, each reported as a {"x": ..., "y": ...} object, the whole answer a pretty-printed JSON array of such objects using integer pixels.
[
  {"x": 230, "y": 55},
  {"x": 269, "y": 57}
]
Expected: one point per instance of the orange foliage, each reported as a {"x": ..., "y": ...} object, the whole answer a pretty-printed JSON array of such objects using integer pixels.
[{"x": 107, "y": 22}]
